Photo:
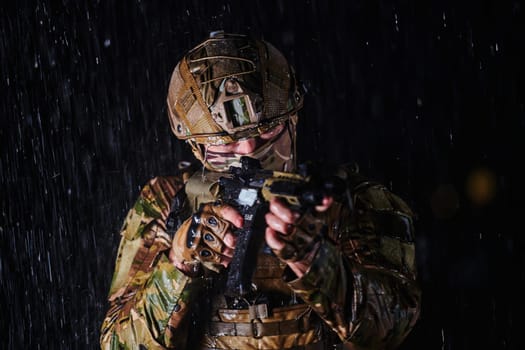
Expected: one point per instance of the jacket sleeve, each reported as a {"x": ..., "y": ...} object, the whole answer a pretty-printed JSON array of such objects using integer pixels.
[
  {"x": 362, "y": 282},
  {"x": 149, "y": 298}
]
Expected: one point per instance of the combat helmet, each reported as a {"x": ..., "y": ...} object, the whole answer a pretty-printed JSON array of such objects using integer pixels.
[{"x": 229, "y": 88}]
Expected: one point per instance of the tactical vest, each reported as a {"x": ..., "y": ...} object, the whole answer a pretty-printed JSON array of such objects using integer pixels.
[{"x": 272, "y": 317}]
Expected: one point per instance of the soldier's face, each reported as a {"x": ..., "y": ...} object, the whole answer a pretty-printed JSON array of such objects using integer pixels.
[
  {"x": 247, "y": 146},
  {"x": 273, "y": 149}
]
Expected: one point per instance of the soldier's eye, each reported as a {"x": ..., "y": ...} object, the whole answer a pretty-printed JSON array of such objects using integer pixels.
[{"x": 209, "y": 237}]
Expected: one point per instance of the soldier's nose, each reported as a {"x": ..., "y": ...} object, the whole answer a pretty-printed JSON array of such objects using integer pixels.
[{"x": 246, "y": 146}]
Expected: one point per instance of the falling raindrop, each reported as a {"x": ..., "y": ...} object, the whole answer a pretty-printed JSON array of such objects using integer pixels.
[{"x": 84, "y": 127}]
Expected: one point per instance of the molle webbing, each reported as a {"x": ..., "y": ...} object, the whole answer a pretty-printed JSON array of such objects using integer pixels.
[
  {"x": 202, "y": 188},
  {"x": 258, "y": 329},
  {"x": 321, "y": 345},
  {"x": 176, "y": 215}
]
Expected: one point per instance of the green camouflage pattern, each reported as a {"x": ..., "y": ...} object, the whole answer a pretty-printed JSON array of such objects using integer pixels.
[
  {"x": 361, "y": 283},
  {"x": 148, "y": 296}
]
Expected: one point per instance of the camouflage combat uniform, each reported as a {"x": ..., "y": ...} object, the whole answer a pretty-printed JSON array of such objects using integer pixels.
[{"x": 359, "y": 293}]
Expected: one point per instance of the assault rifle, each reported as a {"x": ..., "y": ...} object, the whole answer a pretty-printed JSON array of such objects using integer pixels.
[{"x": 249, "y": 188}]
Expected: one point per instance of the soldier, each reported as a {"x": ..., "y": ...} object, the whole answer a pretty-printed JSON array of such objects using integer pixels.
[{"x": 350, "y": 286}]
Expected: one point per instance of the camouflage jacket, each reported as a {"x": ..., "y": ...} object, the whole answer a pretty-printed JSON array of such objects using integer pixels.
[{"x": 361, "y": 287}]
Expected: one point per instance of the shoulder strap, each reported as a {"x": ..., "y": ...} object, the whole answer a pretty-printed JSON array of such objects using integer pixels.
[
  {"x": 180, "y": 208},
  {"x": 202, "y": 187},
  {"x": 177, "y": 213}
]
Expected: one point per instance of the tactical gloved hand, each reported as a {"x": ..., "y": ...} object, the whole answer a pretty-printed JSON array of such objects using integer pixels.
[
  {"x": 302, "y": 239},
  {"x": 206, "y": 239},
  {"x": 295, "y": 238}
]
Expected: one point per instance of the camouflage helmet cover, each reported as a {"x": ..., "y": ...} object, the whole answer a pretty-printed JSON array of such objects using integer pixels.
[{"x": 231, "y": 87}]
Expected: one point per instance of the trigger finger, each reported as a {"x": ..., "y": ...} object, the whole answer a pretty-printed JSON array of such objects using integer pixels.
[
  {"x": 275, "y": 223},
  {"x": 273, "y": 240},
  {"x": 282, "y": 211}
]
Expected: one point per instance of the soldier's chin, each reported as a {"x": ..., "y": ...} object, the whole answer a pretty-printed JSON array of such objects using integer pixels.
[
  {"x": 220, "y": 168},
  {"x": 274, "y": 161}
]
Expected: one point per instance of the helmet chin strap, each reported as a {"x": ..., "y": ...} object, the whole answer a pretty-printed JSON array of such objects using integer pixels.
[{"x": 292, "y": 131}]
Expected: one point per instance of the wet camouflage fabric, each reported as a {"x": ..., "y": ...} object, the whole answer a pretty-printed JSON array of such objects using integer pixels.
[
  {"x": 361, "y": 283},
  {"x": 148, "y": 295}
]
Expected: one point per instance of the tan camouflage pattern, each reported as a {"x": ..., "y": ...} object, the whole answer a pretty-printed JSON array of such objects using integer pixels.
[
  {"x": 275, "y": 154},
  {"x": 148, "y": 295},
  {"x": 379, "y": 272},
  {"x": 361, "y": 285},
  {"x": 255, "y": 64}
]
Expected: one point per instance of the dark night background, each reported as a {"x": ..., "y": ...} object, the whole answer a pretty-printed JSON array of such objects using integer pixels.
[{"x": 427, "y": 96}]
